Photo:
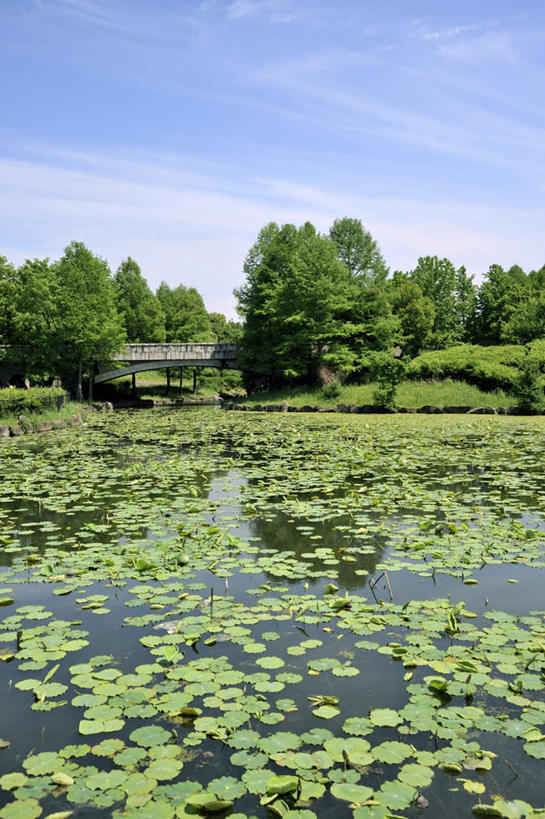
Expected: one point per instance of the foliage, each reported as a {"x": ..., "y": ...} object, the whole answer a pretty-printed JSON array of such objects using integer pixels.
[
  {"x": 526, "y": 320},
  {"x": 296, "y": 677},
  {"x": 224, "y": 331},
  {"x": 415, "y": 312},
  {"x": 388, "y": 372},
  {"x": 358, "y": 251},
  {"x": 452, "y": 294},
  {"x": 138, "y": 307},
  {"x": 8, "y": 295},
  {"x": 409, "y": 394},
  {"x": 487, "y": 367},
  {"x": 302, "y": 308},
  {"x": 87, "y": 326},
  {"x": 24, "y": 402},
  {"x": 310, "y": 302},
  {"x": 500, "y": 295},
  {"x": 528, "y": 388},
  {"x": 186, "y": 319},
  {"x": 331, "y": 390}
]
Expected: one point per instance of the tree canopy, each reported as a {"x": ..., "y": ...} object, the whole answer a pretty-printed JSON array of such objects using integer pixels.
[
  {"x": 186, "y": 319},
  {"x": 314, "y": 307},
  {"x": 303, "y": 309},
  {"x": 139, "y": 308}
]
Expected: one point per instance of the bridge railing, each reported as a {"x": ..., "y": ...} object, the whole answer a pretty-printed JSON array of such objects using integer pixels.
[{"x": 175, "y": 352}]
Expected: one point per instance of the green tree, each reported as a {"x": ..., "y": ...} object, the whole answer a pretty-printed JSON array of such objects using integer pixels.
[
  {"x": 36, "y": 315},
  {"x": 500, "y": 294},
  {"x": 388, "y": 372},
  {"x": 186, "y": 319},
  {"x": 138, "y": 307},
  {"x": 358, "y": 251},
  {"x": 536, "y": 280},
  {"x": 303, "y": 309},
  {"x": 526, "y": 321},
  {"x": 465, "y": 304},
  {"x": 87, "y": 326},
  {"x": 528, "y": 389},
  {"x": 414, "y": 310},
  {"x": 8, "y": 297},
  {"x": 225, "y": 331},
  {"x": 437, "y": 279}
]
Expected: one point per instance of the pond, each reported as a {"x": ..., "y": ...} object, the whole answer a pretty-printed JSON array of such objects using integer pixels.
[{"x": 258, "y": 615}]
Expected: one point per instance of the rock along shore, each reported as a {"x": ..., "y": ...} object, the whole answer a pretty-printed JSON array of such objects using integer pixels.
[{"x": 372, "y": 409}]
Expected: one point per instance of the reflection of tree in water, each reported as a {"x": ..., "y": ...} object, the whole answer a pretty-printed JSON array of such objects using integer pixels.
[{"x": 280, "y": 533}]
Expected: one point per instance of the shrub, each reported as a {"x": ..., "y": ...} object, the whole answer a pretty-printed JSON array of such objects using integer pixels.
[
  {"x": 528, "y": 389},
  {"x": 331, "y": 390},
  {"x": 388, "y": 372},
  {"x": 34, "y": 400},
  {"x": 487, "y": 367}
]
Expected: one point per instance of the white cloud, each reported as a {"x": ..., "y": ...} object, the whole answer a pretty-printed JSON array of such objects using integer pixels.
[
  {"x": 490, "y": 46},
  {"x": 456, "y": 31},
  {"x": 274, "y": 11},
  {"x": 184, "y": 227}
]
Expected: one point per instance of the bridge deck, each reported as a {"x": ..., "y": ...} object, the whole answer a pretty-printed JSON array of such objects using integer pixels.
[
  {"x": 141, "y": 357},
  {"x": 164, "y": 352}
]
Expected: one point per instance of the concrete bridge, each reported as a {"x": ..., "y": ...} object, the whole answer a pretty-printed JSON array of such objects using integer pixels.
[{"x": 141, "y": 357}]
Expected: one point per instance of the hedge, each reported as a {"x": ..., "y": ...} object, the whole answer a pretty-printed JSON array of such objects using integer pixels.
[
  {"x": 488, "y": 367},
  {"x": 35, "y": 400}
]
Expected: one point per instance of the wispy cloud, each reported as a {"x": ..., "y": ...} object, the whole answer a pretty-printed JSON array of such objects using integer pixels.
[
  {"x": 463, "y": 129},
  {"x": 115, "y": 18},
  {"x": 493, "y": 45},
  {"x": 274, "y": 11},
  {"x": 471, "y": 28},
  {"x": 184, "y": 226}
]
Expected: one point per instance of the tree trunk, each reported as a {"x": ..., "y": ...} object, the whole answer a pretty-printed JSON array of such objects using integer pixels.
[
  {"x": 133, "y": 385},
  {"x": 168, "y": 379},
  {"x": 181, "y": 378},
  {"x": 194, "y": 380},
  {"x": 79, "y": 394},
  {"x": 91, "y": 379}
]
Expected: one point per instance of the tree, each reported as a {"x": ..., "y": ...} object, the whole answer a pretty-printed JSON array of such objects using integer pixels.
[
  {"x": 224, "y": 331},
  {"x": 528, "y": 389},
  {"x": 36, "y": 315},
  {"x": 186, "y": 319},
  {"x": 465, "y": 304},
  {"x": 303, "y": 309},
  {"x": 526, "y": 321},
  {"x": 388, "y": 372},
  {"x": 138, "y": 307},
  {"x": 87, "y": 326},
  {"x": 438, "y": 280},
  {"x": 414, "y": 310},
  {"x": 358, "y": 251},
  {"x": 500, "y": 294},
  {"x": 8, "y": 296}
]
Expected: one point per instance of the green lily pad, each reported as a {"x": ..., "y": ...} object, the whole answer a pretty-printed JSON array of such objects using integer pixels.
[{"x": 351, "y": 793}]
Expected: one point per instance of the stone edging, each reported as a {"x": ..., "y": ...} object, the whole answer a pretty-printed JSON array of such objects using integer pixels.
[
  {"x": 371, "y": 409},
  {"x": 25, "y": 427}
]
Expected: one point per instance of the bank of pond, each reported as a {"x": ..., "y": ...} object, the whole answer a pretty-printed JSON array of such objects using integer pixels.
[{"x": 295, "y": 615}]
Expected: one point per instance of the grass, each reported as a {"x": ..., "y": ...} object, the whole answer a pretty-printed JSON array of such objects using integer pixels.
[
  {"x": 409, "y": 394},
  {"x": 66, "y": 411},
  {"x": 153, "y": 384}
]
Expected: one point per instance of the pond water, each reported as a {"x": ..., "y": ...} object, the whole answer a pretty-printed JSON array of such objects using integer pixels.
[{"x": 208, "y": 613}]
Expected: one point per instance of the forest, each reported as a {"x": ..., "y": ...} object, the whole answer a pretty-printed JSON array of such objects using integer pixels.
[{"x": 314, "y": 307}]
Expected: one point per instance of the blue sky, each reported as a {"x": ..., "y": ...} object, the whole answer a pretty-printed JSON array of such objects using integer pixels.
[{"x": 173, "y": 130}]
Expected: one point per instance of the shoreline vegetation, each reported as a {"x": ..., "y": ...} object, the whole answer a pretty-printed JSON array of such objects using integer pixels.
[
  {"x": 411, "y": 394},
  {"x": 40, "y": 409}
]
